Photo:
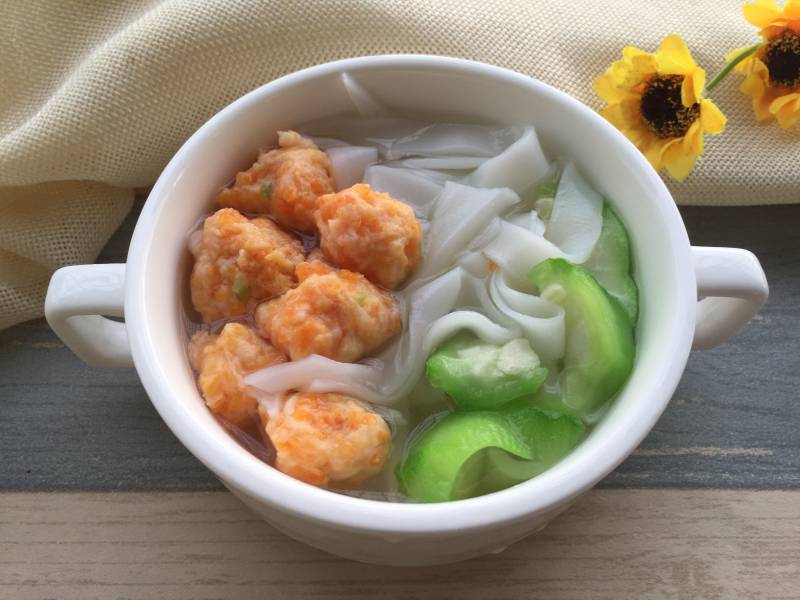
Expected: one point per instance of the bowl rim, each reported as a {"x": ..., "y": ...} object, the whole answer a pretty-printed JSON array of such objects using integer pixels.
[{"x": 268, "y": 486}]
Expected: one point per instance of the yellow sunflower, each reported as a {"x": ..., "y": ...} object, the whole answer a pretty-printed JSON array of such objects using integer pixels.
[
  {"x": 773, "y": 71},
  {"x": 656, "y": 101}
]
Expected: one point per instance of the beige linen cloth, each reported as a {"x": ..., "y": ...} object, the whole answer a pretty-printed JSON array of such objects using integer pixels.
[{"x": 96, "y": 96}]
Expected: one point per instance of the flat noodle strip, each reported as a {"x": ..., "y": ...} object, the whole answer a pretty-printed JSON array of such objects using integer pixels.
[
  {"x": 348, "y": 164},
  {"x": 517, "y": 250},
  {"x": 416, "y": 190},
  {"x": 454, "y": 139},
  {"x": 443, "y": 163},
  {"x": 520, "y": 166},
  {"x": 577, "y": 217},
  {"x": 542, "y": 322},
  {"x": 460, "y": 215}
]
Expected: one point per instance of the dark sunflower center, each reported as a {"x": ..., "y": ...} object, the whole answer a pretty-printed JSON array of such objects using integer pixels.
[
  {"x": 783, "y": 59},
  {"x": 662, "y": 109}
]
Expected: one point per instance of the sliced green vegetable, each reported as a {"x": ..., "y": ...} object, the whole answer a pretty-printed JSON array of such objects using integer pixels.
[
  {"x": 266, "y": 189},
  {"x": 549, "y": 400},
  {"x": 599, "y": 350},
  {"x": 550, "y": 435},
  {"x": 610, "y": 263},
  {"x": 472, "y": 453},
  {"x": 241, "y": 287},
  {"x": 430, "y": 470},
  {"x": 478, "y": 375}
]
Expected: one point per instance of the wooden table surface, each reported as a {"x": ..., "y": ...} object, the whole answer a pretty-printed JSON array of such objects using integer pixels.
[{"x": 100, "y": 500}]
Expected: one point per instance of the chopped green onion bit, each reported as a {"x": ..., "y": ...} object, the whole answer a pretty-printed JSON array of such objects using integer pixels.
[{"x": 241, "y": 287}]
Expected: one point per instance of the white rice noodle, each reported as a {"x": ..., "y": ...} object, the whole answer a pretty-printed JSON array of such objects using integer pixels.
[
  {"x": 363, "y": 100},
  {"x": 445, "y": 139},
  {"x": 404, "y": 184},
  {"x": 461, "y": 213},
  {"x": 441, "y": 163},
  {"x": 517, "y": 250},
  {"x": 529, "y": 220},
  {"x": 577, "y": 216},
  {"x": 541, "y": 322},
  {"x": 390, "y": 377},
  {"x": 348, "y": 164},
  {"x": 272, "y": 403},
  {"x": 519, "y": 167},
  {"x": 380, "y": 132},
  {"x": 475, "y": 263},
  {"x": 324, "y": 143},
  {"x": 394, "y": 418}
]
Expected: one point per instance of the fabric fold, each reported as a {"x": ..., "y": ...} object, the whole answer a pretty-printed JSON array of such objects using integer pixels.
[{"x": 97, "y": 97}]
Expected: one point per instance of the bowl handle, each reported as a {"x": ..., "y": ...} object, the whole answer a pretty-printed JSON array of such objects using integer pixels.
[
  {"x": 731, "y": 288},
  {"x": 76, "y": 299}
]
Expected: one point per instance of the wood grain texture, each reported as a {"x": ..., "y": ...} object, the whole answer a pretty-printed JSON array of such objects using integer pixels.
[
  {"x": 612, "y": 544},
  {"x": 732, "y": 423}
]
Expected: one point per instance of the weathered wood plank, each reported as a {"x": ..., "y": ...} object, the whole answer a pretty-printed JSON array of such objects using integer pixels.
[
  {"x": 612, "y": 544},
  {"x": 732, "y": 423}
]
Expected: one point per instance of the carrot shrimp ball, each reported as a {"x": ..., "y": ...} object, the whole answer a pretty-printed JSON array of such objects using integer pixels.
[
  {"x": 222, "y": 361},
  {"x": 333, "y": 312},
  {"x": 284, "y": 183},
  {"x": 327, "y": 439},
  {"x": 369, "y": 232},
  {"x": 241, "y": 262}
]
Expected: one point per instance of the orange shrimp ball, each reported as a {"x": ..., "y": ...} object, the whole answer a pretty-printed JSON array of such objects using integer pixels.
[
  {"x": 222, "y": 361},
  {"x": 369, "y": 232},
  {"x": 333, "y": 312},
  {"x": 241, "y": 262},
  {"x": 284, "y": 183},
  {"x": 327, "y": 439}
]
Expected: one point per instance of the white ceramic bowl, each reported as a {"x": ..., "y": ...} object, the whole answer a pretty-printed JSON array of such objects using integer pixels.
[{"x": 670, "y": 274}]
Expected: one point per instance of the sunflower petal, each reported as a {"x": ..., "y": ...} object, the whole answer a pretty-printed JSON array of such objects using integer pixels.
[
  {"x": 711, "y": 117},
  {"x": 674, "y": 57},
  {"x": 786, "y": 109},
  {"x": 628, "y": 52},
  {"x": 605, "y": 87},
  {"x": 782, "y": 101},
  {"x": 787, "y": 118},
  {"x": 654, "y": 152},
  {"x": 699, "y": 81},
  {"x": 693, "y": 140},
  {"x": 761, "y": 12},
  {"x": 745, "y": 66},
  {"x": 678, "y": 163},
  {"x": 792, "y": 9},
  {"x": 642, "y": 66},
  {"x": 756, "y": 86},
  {"x": 692, "y": 87}
]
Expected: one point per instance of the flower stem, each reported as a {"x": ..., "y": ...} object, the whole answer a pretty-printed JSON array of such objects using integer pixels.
[{"x": 730, "y": 65}]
